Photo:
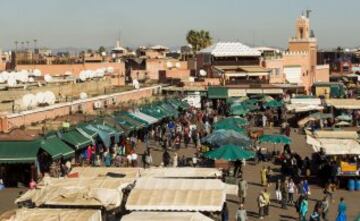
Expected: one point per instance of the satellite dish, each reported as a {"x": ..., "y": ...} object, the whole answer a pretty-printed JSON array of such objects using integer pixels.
[
  {"x": 83, "y": 95},
  {"x": 136, "y": 84},
  {"x": 169, "y": 64},
  {"x": 36, "y": 73},
  {"x": 103, "y": 53},
  {"x": 31, "y": 80},
  {"x": 177, "y": 65},
  {"x": 2, "y": 80},
  {"x": 48, "y": 78},
  {"x": 49, "y": 97},
  {"x": 40, "y": 98},
  {"x": 203, "y": 73},
  {"x": 82, "y": 76},
  {"x": 68, "y": 73},
  {"x": 110, "y": 70}
]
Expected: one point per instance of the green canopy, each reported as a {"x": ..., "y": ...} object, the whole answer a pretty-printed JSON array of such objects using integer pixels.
[
  {"x": 19, "y": 151},
  {"x": 56, "y": 147},
  {"x": 222, "y": 137},
  {"x": 136, "y": 118},
  {"x": 275, "y": 139},
  {"x": 230, "y": 153},
  {"x": 273, "y": 104},
  {"x": 229, "y": 127},
  {"x": 230, "y": 122},
  {"x": 217, "y": 92},
  {"x": 239, "y": 110},
  {"x": 76, "y": 139},
  {"x": 152, "y": 112},
  {"x": 124, "y": 124},
  {"x": 27, "y": 151}
]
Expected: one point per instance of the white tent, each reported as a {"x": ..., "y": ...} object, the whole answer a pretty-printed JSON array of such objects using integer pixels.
[
  {"x": 333, "y": 146},
  {"x": 182, "y": 172},
  {"x": 95, "y": 192},
  {"x": 92, "y": 172},
  {"x": 159, "y": 216},
  {"x": 177, "y": 195},
  {"x": 145, "y": 117},
  {"x": 55, "y": 214}
]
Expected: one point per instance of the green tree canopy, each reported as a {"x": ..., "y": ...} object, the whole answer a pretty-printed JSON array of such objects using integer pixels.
[{"x": 198, "y": 39}]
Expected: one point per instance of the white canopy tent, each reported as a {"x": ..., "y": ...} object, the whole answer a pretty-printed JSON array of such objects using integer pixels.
[
  {"x": 177, "y": 195},
  {"x": 92, "y": 172},
  {"x": 182, "y": 172},
  {"x": 99, "y": 192},
  {"x": 350, "y": 104},
  {"x": 333, "y": 146},
  {"x": 145, "y": 117},
  {"x": 55, "y": 214},
  {"x": 160, "y": 216}
]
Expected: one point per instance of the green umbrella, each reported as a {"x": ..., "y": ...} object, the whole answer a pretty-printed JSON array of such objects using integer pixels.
[
  {"x": 239, "y": 109},
  {"x": 275, "y": 139},
  {"x": 230, "y": 127},
  {"x": 273, "y": 104},
  {"x": 231, "y": 122},
  {"x": 230, "y": 153}
]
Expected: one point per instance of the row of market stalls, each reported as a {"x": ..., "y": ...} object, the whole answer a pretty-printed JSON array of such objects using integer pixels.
[
  {"x": 70, "y": 142},
  {"x": 149, "y": 194}
]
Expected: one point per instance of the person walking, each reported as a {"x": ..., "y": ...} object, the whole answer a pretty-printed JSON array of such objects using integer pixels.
[
  {"x": 166, "y": 158},
  {"x": 284, "y": 193},
  {"x": 341, "y": 216},
  {"x": 175, "y": 160},
  {"x": 263, "y": 177},
  {"x": 242, "y": 190},
  {"x": 325, "y": 208},
  {"x": 304, "y": 207},
  {"x": 241, "y": 214},
  {"x": 267, "y": 202},
  {"x": 291, "y": 190},
  {"x": 225, "y": 213},
  {"x": 278, "y": 191},
  {"x": 261, "y": 204}
]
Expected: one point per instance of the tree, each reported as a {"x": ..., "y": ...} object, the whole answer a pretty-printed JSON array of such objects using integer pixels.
[
  {"x": 198, "y": 39},
  {"x": 101, "y": 49}
]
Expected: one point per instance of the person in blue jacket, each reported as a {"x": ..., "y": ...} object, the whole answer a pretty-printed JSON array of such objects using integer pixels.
[{"x": 341, "y": 211}]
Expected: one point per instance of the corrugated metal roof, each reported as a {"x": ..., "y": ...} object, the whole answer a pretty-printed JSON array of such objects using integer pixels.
[{"x": 230, "y": 49}]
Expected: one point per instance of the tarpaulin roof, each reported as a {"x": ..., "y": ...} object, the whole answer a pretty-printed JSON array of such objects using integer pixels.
[
  {"x": 160, "y": 216},
  {"x": 336, "y": 134},
  {"x": 298, "y": 107},
  {"x": 182, "y": 172},
  {"x": 177, "y": 195},
  {"x": 149, "y": 119},
  {"x": 344, "y": 103},
  {"x": 75, "y": 138},
  {"x": 335, "y": 146},
  {"x": 102, "y": 192},
  {"x": 129, "y": 172},
  {"x": 55, "y": 214}
]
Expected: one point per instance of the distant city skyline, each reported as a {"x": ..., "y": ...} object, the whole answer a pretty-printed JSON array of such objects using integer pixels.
[{"x": 94, "y": 23}]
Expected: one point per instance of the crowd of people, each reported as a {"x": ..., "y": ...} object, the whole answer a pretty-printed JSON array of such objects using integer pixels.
[{"x": 292, "y": 187}]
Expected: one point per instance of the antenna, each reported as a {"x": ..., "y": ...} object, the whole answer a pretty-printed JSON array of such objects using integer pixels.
[{"x": 308, "y": 11}]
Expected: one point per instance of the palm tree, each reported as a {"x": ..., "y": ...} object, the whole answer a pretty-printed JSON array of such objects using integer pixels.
[{"x": 198, "y": 39}]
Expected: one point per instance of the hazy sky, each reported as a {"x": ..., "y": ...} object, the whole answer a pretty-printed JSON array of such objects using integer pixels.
[{"x": 91, "y": 23}]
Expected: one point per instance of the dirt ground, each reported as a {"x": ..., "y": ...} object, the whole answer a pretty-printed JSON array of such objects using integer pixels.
[{"x": 252, "y": 175}]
